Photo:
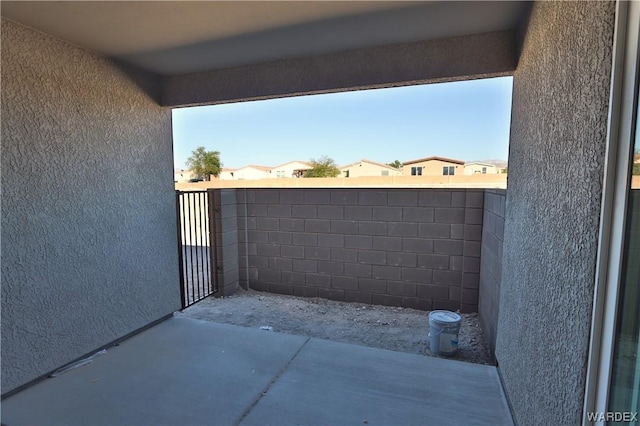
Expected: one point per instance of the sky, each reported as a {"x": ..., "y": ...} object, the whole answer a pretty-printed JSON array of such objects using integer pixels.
[{"x": 466, "y": 120}]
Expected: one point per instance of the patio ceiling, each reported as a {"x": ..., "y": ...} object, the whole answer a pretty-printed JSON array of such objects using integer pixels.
[{"x": 174, "y": 38}]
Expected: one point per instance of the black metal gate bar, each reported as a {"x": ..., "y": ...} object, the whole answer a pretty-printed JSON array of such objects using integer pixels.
[
  {"x": 195, "y": 243},
  {"x": 183, "y": 295},
  {"x": 196, "y": 237},
  {"x": 195, "y": 212},
  {"x": 186, "y": 205},
  {"x": 202, "y": 286},
  {"x": 186, "y": 202},
  {"x": 192, "y": 279},
  {"x": 205, "y": 256},
  {"x": 204, "y": 264}
]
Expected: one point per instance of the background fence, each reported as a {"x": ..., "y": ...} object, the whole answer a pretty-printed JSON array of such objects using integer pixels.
[{"x": 400, "y": 247}]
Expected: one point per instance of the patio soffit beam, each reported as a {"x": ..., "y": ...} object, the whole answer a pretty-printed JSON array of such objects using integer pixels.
[{"x": 433, "y": 61}]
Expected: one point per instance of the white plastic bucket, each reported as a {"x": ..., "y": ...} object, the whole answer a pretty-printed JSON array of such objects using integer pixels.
[{"x": 444, "y": 327}]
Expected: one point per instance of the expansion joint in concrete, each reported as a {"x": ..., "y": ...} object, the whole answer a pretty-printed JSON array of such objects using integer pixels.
[{"x": 271, "y": 383}]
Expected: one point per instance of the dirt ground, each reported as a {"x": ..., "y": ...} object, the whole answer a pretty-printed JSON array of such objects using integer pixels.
[{"x": 396, "y": 329}]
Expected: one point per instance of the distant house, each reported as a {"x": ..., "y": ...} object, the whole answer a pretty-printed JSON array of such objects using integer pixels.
[
  {"x": 290, "y": 169},
  {"x": 226, "y": 174},
  {"x": 366, "y": 167},
  {"x": 433, "y": 166},
  {"x": 180, "y": 175},
  {"x": 476, "y": 167},
  {"x": 251, "y": 172}
]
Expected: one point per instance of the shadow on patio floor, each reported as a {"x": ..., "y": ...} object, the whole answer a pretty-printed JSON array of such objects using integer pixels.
[{"x": 191, "y": 372}]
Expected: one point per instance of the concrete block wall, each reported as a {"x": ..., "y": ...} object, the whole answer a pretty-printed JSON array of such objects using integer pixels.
[
  {"x": 227, "y": 241},
  {"x": 417, "y": 248},
  {"x": 491, "y": 263}
]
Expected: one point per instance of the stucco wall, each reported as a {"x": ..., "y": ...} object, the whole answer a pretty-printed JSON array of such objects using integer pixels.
[
  {"x": 458, "y": 181},
  {"x": 287, "y": 169},
  {"x": 432, "y": 167},
  {"x": 470, "y": 169},
  {"x": 431, "y": 61},
  {"x": 364, "y": 168},
  {"x": 251, "y": 173},
  {"x": 88, "y": 216},
  {"x": 559, "y": 119}
]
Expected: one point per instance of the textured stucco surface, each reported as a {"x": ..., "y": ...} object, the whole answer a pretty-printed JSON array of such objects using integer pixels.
[
  {"x": 88, "y": 216},
  {"x": 449, "y": 59},
  {"x": 558, "y": 132}
]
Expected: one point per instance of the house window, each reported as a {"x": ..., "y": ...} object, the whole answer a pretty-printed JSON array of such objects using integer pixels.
[
  {"x": 385, "y": 173},
  {"x": 484, "y": 170},
  {"x": 416, "y": 171},
  {"x": 280, "y": 173},
  {"x": 448, "y": 170}
]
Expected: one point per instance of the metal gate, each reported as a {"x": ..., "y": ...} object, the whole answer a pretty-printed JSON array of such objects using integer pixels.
[{"x": 197, "y": 254}]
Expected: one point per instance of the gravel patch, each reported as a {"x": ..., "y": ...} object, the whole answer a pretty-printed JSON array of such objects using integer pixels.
[{"x": 396, "y": 329}]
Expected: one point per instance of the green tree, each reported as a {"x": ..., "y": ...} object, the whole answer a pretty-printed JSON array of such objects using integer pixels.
[
  {"x": 322, "y": 167},
  {"x": 636, "y": 169},
  {"x": 204, "y": 163},
  {"x": 396, "y": 164}
]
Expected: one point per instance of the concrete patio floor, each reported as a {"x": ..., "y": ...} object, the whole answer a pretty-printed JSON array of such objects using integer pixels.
[{"x": 191, "y": 372}]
